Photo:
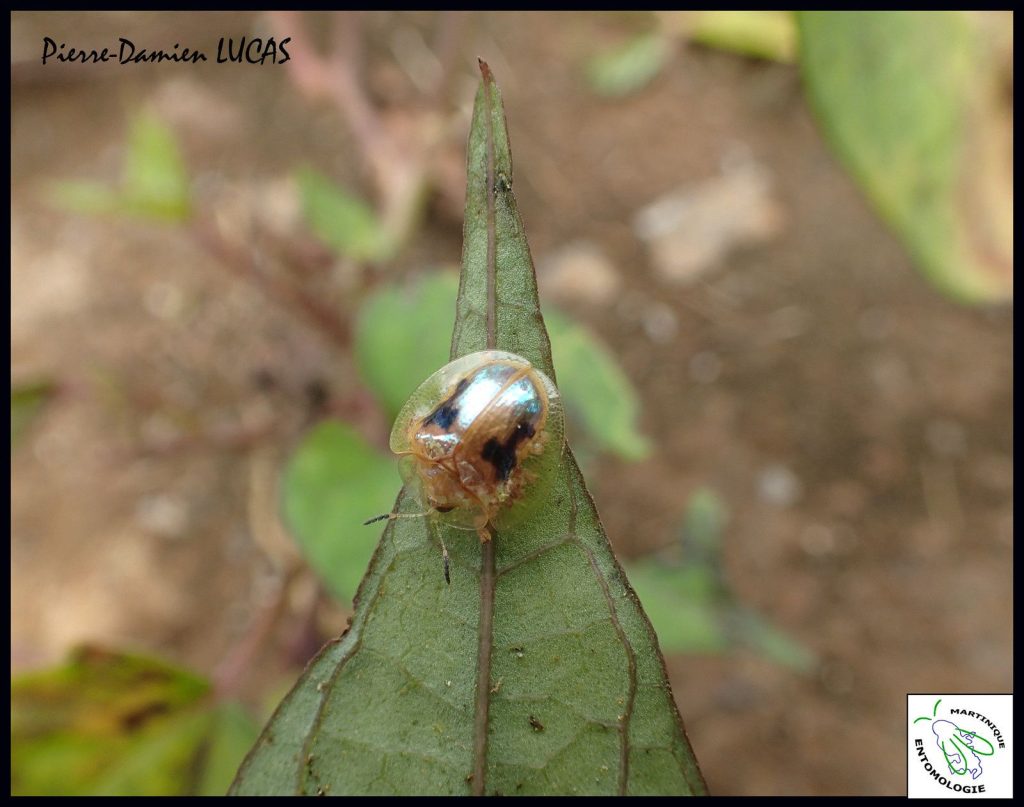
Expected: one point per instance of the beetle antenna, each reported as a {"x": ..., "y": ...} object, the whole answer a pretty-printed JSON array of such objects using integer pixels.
[{"x": 392, "y": 516}]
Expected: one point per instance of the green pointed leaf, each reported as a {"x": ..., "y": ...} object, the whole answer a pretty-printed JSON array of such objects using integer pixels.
[
  {"x": 342, "y": 221},
  {"x": 917, "y": 106},
  {"x": 110, "y": 723},
  {"x": 276, "y": 764},
  {"x": 333, "y": 483},
  {"x": 536, "y": 671}
]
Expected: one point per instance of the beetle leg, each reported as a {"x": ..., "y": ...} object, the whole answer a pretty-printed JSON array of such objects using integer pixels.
[{"x": 444, "y": 555}]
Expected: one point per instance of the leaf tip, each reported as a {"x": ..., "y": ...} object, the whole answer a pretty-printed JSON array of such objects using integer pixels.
[{"x": 485, "y": 70}]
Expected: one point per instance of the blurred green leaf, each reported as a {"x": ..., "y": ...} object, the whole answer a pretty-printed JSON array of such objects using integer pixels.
[
  {"x": 690, "y": 602},
  {"x": 156, "y": 183},
  {"x": 27, "y": 401},
  {"x": 535, "y": 671},
  {"x": 231, "y": 735},
  {"x": 703, "y": 524},
  {"x": 760, "y": 34},
  {"x": 682, "y": 604},
  {"x": 333, "y": 483},
  {"x": 108, "y": 723},
  {"x": 598, "y": 394},
  {"x": 754, "y": 631},
  {"x": 402, "y": 329},
  {"x": 629, "y": 67},
  {"x": 342, "y": 221},
  {"x": 160, "y": 761},
  {"x": 913, "y": 104}
]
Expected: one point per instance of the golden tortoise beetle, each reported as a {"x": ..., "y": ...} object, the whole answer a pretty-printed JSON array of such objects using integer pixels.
[{"x": 477, "y": 440}]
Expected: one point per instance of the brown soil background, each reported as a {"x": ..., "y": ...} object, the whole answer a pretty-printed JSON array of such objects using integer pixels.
[{"x": 889, "y": 404}]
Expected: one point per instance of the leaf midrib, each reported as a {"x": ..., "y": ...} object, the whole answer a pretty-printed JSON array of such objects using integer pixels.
[
  {"x": 481, "y": 727},
  {"x": 488, "y": 575}
]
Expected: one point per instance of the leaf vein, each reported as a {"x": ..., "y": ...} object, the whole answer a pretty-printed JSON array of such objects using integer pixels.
[{"x": 630, "y": 657}]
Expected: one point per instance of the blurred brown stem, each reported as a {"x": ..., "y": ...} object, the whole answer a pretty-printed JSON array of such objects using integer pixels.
[
  {"x": 303, "y": 644},
  {"x": 401, "y": 149},
  {"x": 239, "y": 439},
  {"x": 232, "y": 671},
  {"x": 242, "y": 264},
  {"x": 336, "y": 78}
]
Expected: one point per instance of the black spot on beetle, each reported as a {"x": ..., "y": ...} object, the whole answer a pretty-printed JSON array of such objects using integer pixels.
[
  {"x": 447, "y": 509},
  {"x": 444, "y": 416},
  {"x": 500, "y": 457},
  {"x": 503, "y": 455}
]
